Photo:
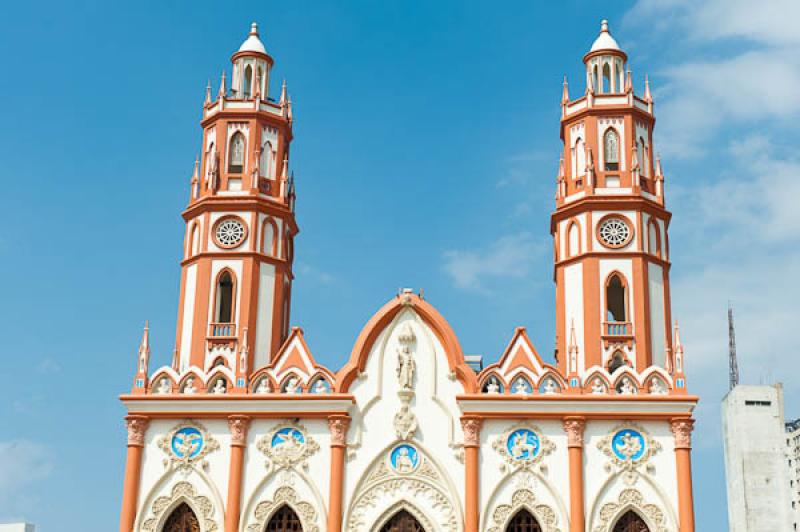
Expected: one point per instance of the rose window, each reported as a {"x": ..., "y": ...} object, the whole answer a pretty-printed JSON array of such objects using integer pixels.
[
  {"x": 230, "y": 232},
  {"x": 614, "y": 232}
]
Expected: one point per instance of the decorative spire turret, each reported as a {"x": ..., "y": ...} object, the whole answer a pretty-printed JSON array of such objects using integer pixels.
[
  {"x": 222, "y": 89},
  {"x": 208, "y": 93}
]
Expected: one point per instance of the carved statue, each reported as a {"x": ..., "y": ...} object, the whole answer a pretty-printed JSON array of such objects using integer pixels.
[
  {"x": 263, "y": 386},
  {"x": 293, "y": 385},
  {"x": 405, "y": 368},
  {"x": 492, "y": 387},
  {"x": 320, "y": 387},
  {"x": 598, "y": 387},
  {"x": 521, "y": 448},
  {"x": 219, "y": 387},
  {"x": 657, "y": 387},
  {"x": 550, "y": 387},
  {"x": 189, "y": 388},
  {"x": 164, "y": 385},
  {"x": 520, "y": 388},
  {"x": 403, "y": 462},
  {"x": 627, "y": 387},
  {"x": 630, "y": 445}
]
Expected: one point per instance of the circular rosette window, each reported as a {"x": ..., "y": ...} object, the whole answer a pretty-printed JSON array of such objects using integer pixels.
[
  {"x": 614, "y": 232},
  {"x": 404, "y": 458},
  {"x": 229, "y": 232},
  {"x": 523, "y": 444},
  {"x": 187, "y": 442},
  {"x": 628, "y": 445}
]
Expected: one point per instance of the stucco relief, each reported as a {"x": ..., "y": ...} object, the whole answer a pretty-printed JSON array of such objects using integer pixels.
[
  {"x": 628, "y": 447},
  {"x": 182, "y": 492},
  {"x": 630, "y": 499},
  {"x": 524, "y": 498},
  {"x": 187, "y": 445},
  {"x": 287, "y": 445},
  {"x": 284, "y": 495},
  {"x": 522, "y": 446}
]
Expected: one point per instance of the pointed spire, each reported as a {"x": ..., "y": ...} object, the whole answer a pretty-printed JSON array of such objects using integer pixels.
[
  {"x": 222, "y": 89},
  {"x": 572, "y": 349},
  {"x": 285, "y": 171},
  {"x": 565, "y": 92},
  {"x": 195, "y": 173},
  {"x": 208, "y": 92},
  {"x": 144, "y": 349},
  {"x": 647, "y": 96},
  {"x": 175, "y": 358},
  {"x": 283, "y": 94},
  {"x": 659, "y": 172},
  {"x": 628, "y": 81}
]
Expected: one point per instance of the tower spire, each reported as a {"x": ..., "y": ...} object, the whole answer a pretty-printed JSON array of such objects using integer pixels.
[{"x": 733, "y": 363}]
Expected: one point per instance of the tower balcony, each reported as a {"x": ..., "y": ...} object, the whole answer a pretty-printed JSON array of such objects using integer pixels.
[
  {"x": 617, "y": 332},
  {"x": 222, "y": 331}
]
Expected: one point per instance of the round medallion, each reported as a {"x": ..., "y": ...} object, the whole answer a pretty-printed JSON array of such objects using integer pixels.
[
  {"x": 229, "y": 232},
  {"x": 404, "y": 458},
  {"x": 523, "y": 444},
  {"x": 187, "y": 442},
  {"x": 614, "y": 232},
  {"x": 287, "y": 438},
  {"x": 628, "y": 444}
]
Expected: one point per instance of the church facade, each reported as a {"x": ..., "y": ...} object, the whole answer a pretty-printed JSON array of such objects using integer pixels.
[{"x": 246, "y": 432}]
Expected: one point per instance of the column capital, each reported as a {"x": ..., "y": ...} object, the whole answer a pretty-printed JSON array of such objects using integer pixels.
[
  {"x": 682, "y": 430},
  {"x": 472, "y": 431},
  {"x": 238, "y": 425},
  {"x": 574, "y": 427},
  {"x": 338, "y": 426},
  {"x": 137, "y": 427}
]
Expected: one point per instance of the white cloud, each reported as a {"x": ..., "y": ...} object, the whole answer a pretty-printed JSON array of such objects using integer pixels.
[
  {"x": 22, "y": 464},
  {"x": 510, "y": 256}
]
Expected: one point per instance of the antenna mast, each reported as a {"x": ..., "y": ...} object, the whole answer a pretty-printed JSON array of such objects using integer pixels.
[{"x": 734, "y": 365}]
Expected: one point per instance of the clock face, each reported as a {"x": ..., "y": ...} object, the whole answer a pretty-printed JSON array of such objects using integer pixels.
[
  {"x": 229, "y": 232},
  {"x": 614, "y": 232}
]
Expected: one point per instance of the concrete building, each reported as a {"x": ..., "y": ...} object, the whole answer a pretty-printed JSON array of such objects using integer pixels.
[
  {"x": 793, "y": 452},
  {"x": 758, "y": 480},
  {"x": 17, "y": 527}
]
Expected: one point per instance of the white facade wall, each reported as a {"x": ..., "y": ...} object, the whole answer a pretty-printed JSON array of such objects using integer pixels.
[{"x": 793, "y": 452}]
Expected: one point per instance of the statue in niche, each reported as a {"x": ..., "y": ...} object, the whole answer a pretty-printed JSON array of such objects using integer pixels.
[
  {"x": 405, "y": 368},
  {"x": 492, "y": 387},
  {"x": 189, "y": 388},
  {"x": 598, "y": 387},
  {"x": 403, "y": 462},
  {"x": 657, "y": 387},
  {"x": 627, "y": 387},
  {"x": 263, "y": 386},
  {"x": 293, "y": 385},
  {"x": 520, "y": 388},
  {"x": 164, "y": 386},
  {"x": 219, "y": 387},
  {"x": 320, "y": 387},
  {"x": 550, "y": 387}
]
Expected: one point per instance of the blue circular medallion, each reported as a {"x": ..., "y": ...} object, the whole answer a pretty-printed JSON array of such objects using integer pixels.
[
  {"x": 287, "y": 437},
  {"x": 522, "y": 444},
  {"x": 404, "y": 458},
  {"x": 628, "y": 444},
  {"x": 187, "y": 442}
]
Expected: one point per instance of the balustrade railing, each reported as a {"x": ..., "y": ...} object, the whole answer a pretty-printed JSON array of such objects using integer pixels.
[
  {"x": 617, "y": 328},
  {"x": 222, "y": 330}
]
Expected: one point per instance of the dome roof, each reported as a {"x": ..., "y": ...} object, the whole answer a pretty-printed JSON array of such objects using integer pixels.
[
  {"x": 604, "y": 41},
  {"x": 253, "y": 43}
]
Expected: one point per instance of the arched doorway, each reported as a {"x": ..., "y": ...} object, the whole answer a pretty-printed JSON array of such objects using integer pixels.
[
  {"x": 182, "y": 519},
  {"x": 523, "y": 521},
  {"x": 402, "y": 521},
  {"x": 631, "y": 522},
  {"x": 284, "y": 520}
]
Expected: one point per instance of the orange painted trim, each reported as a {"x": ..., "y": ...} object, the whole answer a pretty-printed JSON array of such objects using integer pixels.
[
  {"x": 563, "y": 398},
  {"x": 558, "y": 415},
  {"x": 130, "y": 490},
  {"x": 615, "y": 255},
  {"x": 193, "y": 414},
  {"x": 338, "y": 426}
]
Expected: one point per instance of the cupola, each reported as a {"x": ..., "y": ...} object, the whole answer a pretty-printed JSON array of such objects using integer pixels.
[
  {"x": 251, "y": 66},
  {"x": 605, "y": 64}
]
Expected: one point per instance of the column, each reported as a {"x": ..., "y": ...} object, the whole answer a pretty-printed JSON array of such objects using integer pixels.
[
  {"x": 682, "y": 430},
  {"x": 574, "y": 427},
  {"x": 238, "y": 426},
  {"x": 472, "y": 443},
  {"x": 338, "y": 426},
  {"x": 137, "y": 426}
]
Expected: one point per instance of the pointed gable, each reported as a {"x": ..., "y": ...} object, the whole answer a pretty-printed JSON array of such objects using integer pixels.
[{"x": 295, "y": 357}]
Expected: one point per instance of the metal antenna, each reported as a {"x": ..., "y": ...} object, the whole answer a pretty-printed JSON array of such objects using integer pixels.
[{"x": 734, "y": 365}]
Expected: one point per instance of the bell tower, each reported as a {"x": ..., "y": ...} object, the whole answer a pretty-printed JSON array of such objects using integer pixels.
[
  {"x": 610, "y": 224},
  {"x": 236, "y": 277}
]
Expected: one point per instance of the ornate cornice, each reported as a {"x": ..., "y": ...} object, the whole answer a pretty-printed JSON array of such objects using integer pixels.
[
  {"x": 574, "y": 427},
  {"x": 137, "y": 427},
  {"x": 238, "y": 426},
  {"x": 338, "y": 426},
  {"x": 472, "y": 431},
  {"x": 682, "y": 430}
]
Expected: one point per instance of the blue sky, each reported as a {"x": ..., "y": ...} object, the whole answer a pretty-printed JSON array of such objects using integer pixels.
[{"x": 426, "y": 151}]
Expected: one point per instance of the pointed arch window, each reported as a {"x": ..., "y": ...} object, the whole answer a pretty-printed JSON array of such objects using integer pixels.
[
  {"x": 616, "y": 299},
  {"x": 223, "y": 309},
  {"x": 284, "y": 520},
  {"x": 247, "y": 83},
  {"x": 607, "y": 86},
  {"x": 573, "y": 239},
  {"x": 653, "y": 238},
  {"x": 182, "y": 519},
  {"x": 523, "y": 521},
  {"x": 580, "y": 158},
  {"x": 617, "y": 361},
  {"x": 268, "y": 238},
  {"x": 631, "y": 522},
  {"x": 267, "y": 160},
  {"x": 594, "y": 79},
  {"x": 236, "y": 153},
  {"x": 644, "y": 160},
  {"x": 611, "y": 149},
  {"x": 402, "y": 521}
]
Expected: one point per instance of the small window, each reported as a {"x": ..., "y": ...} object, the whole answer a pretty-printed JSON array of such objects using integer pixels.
[
  {"x": 580, "y": 158},
  {"x": 266, "y": 162},
  {"x": 607, "y": 79},
  {"x": 611, "y": 150},
  {"x": 247, "y": 84},
  {"x": 615, "y": 300},
  {"x": 224, "y": 305},
  {"x": 236, "y": 154},
  {"x": 758, "y": 403}
]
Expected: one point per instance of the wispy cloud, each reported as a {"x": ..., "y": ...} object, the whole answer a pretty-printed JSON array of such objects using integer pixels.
[
  {"x": 510, "y": 256},
  {"x": 313, "y": 274}
]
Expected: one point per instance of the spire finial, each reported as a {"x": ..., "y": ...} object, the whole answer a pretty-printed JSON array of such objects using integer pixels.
[
  {"x": 647, "y": 96},
  {"x": 222, "y": 89},
  {"x": 604, "y": 26},
  {"x": 208, "y": 92},
  {"x": 144, "y": 349},
  {"x": 254, "y": 29},
  {"x": 659, "y": 172},
  {"x": 283, "y": 93},
  {"x": 565, "y": 91}
]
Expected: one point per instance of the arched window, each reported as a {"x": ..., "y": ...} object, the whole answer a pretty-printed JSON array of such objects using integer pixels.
[
  {"x": 194, "y": 240},
  {"x": 268, "y": 238},
  {"x": 607, "y": 78},
  {"x": 594, "y": 78},
  {"x": 580, "y": 158},
  {"x": 284, "y": 520},
  {"x": 523, "y": 521},
  {"x": 573, "y": 240},
  {"x": 653, "y": 239},
  {"x": 631, "y": 522},
  {"x": 615, "y": 300},
  {"x": 260, "y": 81},
  {"x": 247, "y": 83},
  {"x": 266, "y": 161},
  {"x": 616, "y": 362},
  {"x": 223, "y": 312},
  {"x": 236, "y": 154},
  {"x": 611, "y": 149},
  {"x": 644, "y": 163},
  {"x": 182, "y": 519},
  {"x": 402, "y": 521}
]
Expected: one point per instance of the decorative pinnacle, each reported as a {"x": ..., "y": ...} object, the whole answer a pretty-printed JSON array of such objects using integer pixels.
[
  {"x": 222, "y": 89},
  {"x": 565, "y": 92},
  {"x": 144, "y": 347},
  {"x": 254, "y": 29},
  {"x": 208, "y": 92},
  {"x": 573, "y": 345},
  {"x": 283, "y": 93},
  {"x": 604, "y": 26},
  {"x": 560, "y": 168},
  {"x": 647, "y": 96},
  {"x": 196, "y": 167},
  {"x": 678, "y": 344},
  {"x": 659, "y": 173},
  {"x": 628, "y": 81}
]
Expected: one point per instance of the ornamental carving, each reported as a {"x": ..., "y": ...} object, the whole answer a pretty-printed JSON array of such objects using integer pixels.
[
  {"x": 182, "y": 491},
  {"x": 628, "y": 498},
  {"x": 186, "y": 445},
  {"x": 682, "y": 430},
  {"x": 405, "y": 423},
  {"x": 406, "y": 365},
  {"x": 574, "y": 428},
  {"x": 284, "y": 495},
  {"x": 472, "y": 431},
  {"x": 238, "y": 426},
  {"x": 287, "y": 445},
  {"x": 628, "y": 446},
  {"x": 137, "y": 427},
  {"x": 338, "y": 427},
  {"x": 522, "y": 446},
  {"x": 524, "y": 498}
]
